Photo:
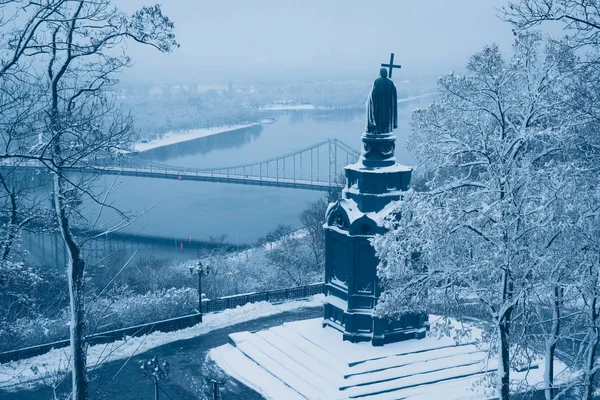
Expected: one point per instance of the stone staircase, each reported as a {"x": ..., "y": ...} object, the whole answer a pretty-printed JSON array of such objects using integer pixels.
[{"x": 303, "y": 360}]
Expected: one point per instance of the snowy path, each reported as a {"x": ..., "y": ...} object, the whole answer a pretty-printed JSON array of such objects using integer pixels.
[{"x": 197, "y": 340}]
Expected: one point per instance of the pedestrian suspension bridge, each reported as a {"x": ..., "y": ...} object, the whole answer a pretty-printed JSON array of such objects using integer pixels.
[{"x": 317, "y": 167}]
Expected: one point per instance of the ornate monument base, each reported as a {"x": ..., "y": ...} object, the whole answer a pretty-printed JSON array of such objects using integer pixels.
[{"x": 351, "y": 282}]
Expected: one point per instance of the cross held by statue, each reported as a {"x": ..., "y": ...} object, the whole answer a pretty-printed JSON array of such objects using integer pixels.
[{"x": 391, "y": 66}]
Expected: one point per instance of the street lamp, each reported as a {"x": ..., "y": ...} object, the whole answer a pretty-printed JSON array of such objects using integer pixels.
[
  {"x": 215, "y": 388},
  {"x": 201, "y": 271},
  {"x": 153, "y": 370}
]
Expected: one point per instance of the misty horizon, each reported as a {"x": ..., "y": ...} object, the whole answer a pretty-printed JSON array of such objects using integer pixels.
[{"x": 269, "y": 42}]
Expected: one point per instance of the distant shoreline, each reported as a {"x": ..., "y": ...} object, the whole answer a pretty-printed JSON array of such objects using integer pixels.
[
  {"x": 288, "y": 107},
  {"x": 421, "y": 96},
  {"x": 174, "y": 137},
  {"x": 303, "y": 107},
  {"x": 184, "y": 136}
]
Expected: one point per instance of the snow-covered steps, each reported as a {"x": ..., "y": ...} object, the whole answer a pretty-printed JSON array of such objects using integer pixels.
[
  {"x": 326, "y": 371},
  {"x": 423, "y": 367},
  {"x": 232, "y": 360},
  {"x": 428, "y": 378},
  {"x": 313, "y": 362},
  {"x": 401, "y": 360},
  {"x": 461, "y": 388},
  {"x": 284, "y": 366},
  {"x": 310, "y": 349}
]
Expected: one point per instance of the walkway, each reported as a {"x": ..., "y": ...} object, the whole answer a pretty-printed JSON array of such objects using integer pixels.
[{"x": 188, "y": 368}]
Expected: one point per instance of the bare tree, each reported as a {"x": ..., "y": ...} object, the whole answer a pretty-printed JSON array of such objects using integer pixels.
[
  {"x": 313, "y": 218},
  {"x": 291, "y": 257},
  {"x": 80, "y": 42},
  {"x": 19, "y": 104},
  {"x": 80, "y": 69},
  {"x": 580, "y": 18}
]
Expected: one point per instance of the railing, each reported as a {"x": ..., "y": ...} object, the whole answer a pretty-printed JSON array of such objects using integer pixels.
[
  {"x": 314, "y": 167},
  {"x": 272, "y": 296},
  {"x": 173, "y": 324},
  {"x": 304, "y": 167}
]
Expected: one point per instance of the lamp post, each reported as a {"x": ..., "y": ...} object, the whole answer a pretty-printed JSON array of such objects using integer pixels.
[
  {"x": 154, "y": 371},
  {"x": 215, "y": 388},
  {"x": 201, "y": 271},
  {"x": 211, "y": 387}
]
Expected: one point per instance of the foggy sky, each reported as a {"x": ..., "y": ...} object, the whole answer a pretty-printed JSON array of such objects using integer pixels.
[{"x": 299, "y": 40}]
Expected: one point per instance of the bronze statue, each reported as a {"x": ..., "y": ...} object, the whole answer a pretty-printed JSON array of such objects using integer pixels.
[{"x": 382, "y": 105}]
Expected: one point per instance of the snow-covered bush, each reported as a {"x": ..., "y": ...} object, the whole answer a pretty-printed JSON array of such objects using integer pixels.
[
  {"x": 123, "y": 308},
  {"x": 120, "y": 309}
]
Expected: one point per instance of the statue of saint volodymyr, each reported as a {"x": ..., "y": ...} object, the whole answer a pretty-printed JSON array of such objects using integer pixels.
[{"x": 382, "y": 105}]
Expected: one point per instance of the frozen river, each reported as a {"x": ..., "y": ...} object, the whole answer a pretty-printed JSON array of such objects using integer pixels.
[{"x": 183, "y": 209}]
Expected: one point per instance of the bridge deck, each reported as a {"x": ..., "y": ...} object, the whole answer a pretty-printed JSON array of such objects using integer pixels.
[
  {"x": 202, "y": 177},
  {"x": 241, "y": 174},
  {"x": 213, "y": 177}
]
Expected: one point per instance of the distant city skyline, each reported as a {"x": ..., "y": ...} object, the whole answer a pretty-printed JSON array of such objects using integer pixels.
[{"x": 274, "y": 41}]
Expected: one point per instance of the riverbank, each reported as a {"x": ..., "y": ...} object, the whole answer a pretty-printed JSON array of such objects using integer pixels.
[
  {"x": 304, "y": 107},
  {"x": 174, "y": 137},
  {"x": 287, "y": 107},
  {"x": 422, "y": 96},
  {"x": 183, "y": 136}
]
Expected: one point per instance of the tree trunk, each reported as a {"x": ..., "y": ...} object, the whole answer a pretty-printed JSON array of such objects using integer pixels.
[
  {"x": 504, "y": 320},
  {"x": 590, "y": 363},
  {"x": 12, "y": 224},
  {"x": 551, "y": 344},
  {"x": 75, "y": 268},
  {"x": 504, "y": 356}
]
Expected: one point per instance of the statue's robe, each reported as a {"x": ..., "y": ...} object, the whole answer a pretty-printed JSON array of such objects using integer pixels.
[{"x": 382, "y": 107}]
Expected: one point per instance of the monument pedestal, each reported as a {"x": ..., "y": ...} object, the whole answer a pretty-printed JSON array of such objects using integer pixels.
[{"x": 351, "y": 283}]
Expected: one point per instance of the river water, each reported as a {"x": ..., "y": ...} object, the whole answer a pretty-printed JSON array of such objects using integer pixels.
[{"x": 186, "y": 213}]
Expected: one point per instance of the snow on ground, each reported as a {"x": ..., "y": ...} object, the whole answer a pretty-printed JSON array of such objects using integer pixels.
[
  {"x": 245, "y": 255},
  {"x": 417, "y": 97},
  {"x": 301, "y": 359},
  {"x": 34, "y": 370},
  {"x": 260, "y": 380},
  {"x": 183, "y": 136},
  {"x": 287, "y": 107},
  {"x": 296, "y": 107}
]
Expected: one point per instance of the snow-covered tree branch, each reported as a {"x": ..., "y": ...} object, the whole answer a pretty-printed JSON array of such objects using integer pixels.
[{"x": 479, "y": 232}]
